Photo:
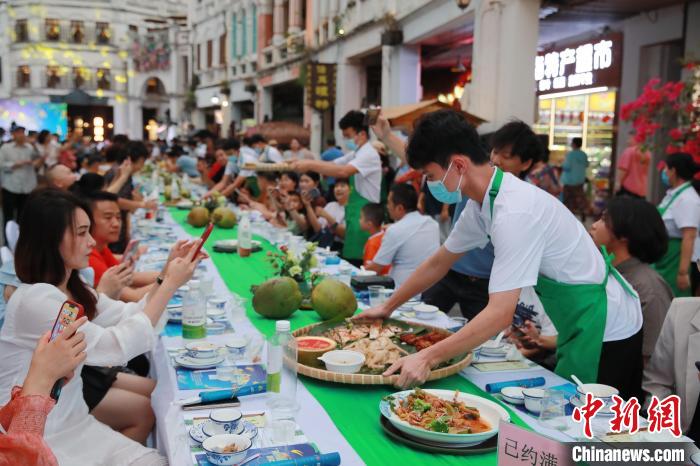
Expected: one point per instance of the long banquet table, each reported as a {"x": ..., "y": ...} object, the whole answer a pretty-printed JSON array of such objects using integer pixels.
[{"x": 336, "y": 417}]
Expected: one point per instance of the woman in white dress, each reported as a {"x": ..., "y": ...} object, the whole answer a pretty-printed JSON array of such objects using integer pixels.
[{"x": 54, "y": 244}]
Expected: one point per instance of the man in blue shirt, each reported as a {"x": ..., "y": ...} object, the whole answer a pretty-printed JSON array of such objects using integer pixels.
[
  {"x": 331, "y": 153},
  {"x": 516, "y": 149},
  {"x": 573, "y": 177}
]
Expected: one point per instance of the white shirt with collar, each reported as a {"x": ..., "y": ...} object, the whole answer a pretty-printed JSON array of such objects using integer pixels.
[
  {"x": 19, "y": 180},
  {"x": 406, "y": 244},
  {"x": 534, "y": 234},
  {"x": 684, "y": 212},
  {"x": 247, "y": 155},
  {"x": 368, "y": 179}
]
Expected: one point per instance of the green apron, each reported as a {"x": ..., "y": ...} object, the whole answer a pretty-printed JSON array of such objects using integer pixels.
[
  {"x": 355, "y": 238},
  {"x": 252, "y": 184},
  {"x": 669, "y": 264},
  {"x": 578, "y": 312}
]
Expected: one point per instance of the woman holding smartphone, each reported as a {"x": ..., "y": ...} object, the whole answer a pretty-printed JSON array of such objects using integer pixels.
[{"x": 54, "y": 244}]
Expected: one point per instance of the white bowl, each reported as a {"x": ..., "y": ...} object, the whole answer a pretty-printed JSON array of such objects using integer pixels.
[
  {"x": 236, "y": 346},
  {"x": 425, "y": 311},
  {"x": 227, "y": 419},
  {"x": 490, "y": 411},
  {"x": 213, "y": 446},
  {"x": 513, "y": 395},
  {"x": 533, "y": 399},
  {"x": 344, "y": 361},
  {"x": 202, "y": 349},
  {"x": 598, "y": 390}
]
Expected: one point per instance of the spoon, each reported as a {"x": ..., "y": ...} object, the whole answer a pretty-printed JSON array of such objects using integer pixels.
[
  {"x": 498, "y": 339},
  {"x": 249, "y": 459},
  {"x": 578, "y": 382}
]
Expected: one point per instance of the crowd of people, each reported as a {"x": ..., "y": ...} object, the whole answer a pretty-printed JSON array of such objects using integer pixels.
[{"x": 483, "y": 230}]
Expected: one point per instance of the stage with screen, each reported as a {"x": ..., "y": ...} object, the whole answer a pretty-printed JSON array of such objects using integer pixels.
[{"x": 34, "y": 116}]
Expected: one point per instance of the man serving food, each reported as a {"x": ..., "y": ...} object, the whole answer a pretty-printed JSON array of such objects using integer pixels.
[{"x": 537, "y": 242}]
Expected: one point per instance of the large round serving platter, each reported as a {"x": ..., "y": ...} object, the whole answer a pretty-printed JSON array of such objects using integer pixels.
[
  {"x": 454, "y": 366},
  {"x": 390, "y": 430},
  {"x": 489, "y": 410}
]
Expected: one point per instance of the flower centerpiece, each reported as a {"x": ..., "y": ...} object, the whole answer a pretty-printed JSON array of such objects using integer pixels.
[{"x": 298, "y": 267}]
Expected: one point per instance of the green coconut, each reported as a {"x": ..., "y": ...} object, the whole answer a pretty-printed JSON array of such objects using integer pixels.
[
  {"x": 333, "y": 299},
  {"x": 198, "y": 217},
  {"x": 223, "y": 217},
  {"x": 277, "y": 298}
]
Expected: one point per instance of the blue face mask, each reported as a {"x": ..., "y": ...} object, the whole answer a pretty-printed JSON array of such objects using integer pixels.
[
  {"x": 233, "y": 158},
  {"x": 664, "y": 179},
  {"x": 440, "y": 192},
  {"x": 258, "y": 150},
  {"x": 350, "y": 144}
]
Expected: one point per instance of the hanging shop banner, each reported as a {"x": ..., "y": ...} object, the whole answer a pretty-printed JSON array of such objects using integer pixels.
[
  {"x": 593, "y": 63},
  {"x": 320, "y": 85}
]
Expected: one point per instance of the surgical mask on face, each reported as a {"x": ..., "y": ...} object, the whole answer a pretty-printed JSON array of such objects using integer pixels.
[
  {"x": 350, "y": 144},
  {"x": 664, "y": 179},
  {"x": 440, "y": 192},
  {"x": 233, "y": 158},
  {"x": 258, "y": 150}
]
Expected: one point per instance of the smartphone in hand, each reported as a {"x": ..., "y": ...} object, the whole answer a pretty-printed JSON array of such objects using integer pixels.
[
  {"x": 70, "y": 312},
  {"x": 205, "y": 236},
  {"x": 130, "y": 250}
]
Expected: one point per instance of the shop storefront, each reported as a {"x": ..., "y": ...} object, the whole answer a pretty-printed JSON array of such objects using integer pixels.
[{"x": 577, "y": 91}]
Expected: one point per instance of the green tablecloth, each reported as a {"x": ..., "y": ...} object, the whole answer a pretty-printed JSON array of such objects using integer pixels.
[{"x": 353, "y": 409}]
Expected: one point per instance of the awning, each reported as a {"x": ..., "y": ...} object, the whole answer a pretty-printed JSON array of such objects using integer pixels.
[{"x": 404, "y": 116}]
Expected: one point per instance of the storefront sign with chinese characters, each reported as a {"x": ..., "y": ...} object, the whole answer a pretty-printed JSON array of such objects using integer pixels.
[
  {"x": 589, "y": 64},
  {"x": 320, "y": 85}
]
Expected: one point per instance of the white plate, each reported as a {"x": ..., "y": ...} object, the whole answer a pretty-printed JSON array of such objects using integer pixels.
[
  {"x": 233, "y": 243},
  {"x": 492, "y": 412},
  {"x": 244, "y": 428},
  {"x": 197, "y": 363},
  {"x": 215, "y": 313}
]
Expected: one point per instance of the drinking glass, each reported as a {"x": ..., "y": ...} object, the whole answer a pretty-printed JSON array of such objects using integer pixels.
[
  {"x": 553, "y": 413},
  {"x": 376, "y": 295},
  {"x": 345, "y": 273}
]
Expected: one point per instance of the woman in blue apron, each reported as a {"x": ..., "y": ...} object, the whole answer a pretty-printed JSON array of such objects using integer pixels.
[{"x": 680, "y": 210}]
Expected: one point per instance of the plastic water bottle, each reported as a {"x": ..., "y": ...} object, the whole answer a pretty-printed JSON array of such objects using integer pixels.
[
  {"x": 282, "y": 369},
  {"x": 194, "y": 313},
  {"x": 174, "y": 189},
  {"x": 245, "y": 240}
]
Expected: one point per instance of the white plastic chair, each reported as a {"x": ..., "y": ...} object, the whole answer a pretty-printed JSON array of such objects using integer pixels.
[
  {"x": 12, "y": 234},
  {"x": 6, "y": 255}
]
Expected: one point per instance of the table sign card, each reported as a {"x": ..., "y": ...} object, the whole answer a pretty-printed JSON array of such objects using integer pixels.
[{"x": 520, "y": 447}]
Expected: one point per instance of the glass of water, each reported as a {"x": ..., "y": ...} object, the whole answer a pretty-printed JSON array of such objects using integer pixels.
[
  {"x": 553, "y": 413},
  {"x": 376, "y": 295}
]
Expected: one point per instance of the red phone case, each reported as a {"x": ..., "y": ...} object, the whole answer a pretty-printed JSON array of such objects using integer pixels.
[
  {"x": 205, "y": 237},
  {"x": 70, "y": 312}
]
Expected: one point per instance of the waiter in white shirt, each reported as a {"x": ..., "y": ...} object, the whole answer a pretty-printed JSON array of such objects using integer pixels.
[
  {"x": 266, "y": 153},
  {"x": 363, "y": 167},
  {"x": 537, "y": 242}
]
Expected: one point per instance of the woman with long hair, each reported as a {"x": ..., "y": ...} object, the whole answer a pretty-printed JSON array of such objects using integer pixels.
[{"x": 54, "y": 243}]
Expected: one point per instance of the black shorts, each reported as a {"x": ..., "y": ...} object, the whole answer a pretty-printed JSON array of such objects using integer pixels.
[{"x": 96, "y": 383}]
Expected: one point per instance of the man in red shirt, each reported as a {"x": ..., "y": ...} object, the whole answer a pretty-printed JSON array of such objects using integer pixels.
[{"x": 106, "y": 225}]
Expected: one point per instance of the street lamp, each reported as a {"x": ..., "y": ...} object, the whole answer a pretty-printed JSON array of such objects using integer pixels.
[{"x": 463, "y": 4}]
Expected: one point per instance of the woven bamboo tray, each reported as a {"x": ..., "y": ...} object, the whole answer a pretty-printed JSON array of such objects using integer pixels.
[
  {"x": 373, "y": 379},
  {"x": 268, "y": 167}
]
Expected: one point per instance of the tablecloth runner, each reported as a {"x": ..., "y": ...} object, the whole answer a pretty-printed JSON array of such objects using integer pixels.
[{"x": 353, "y": 409}]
